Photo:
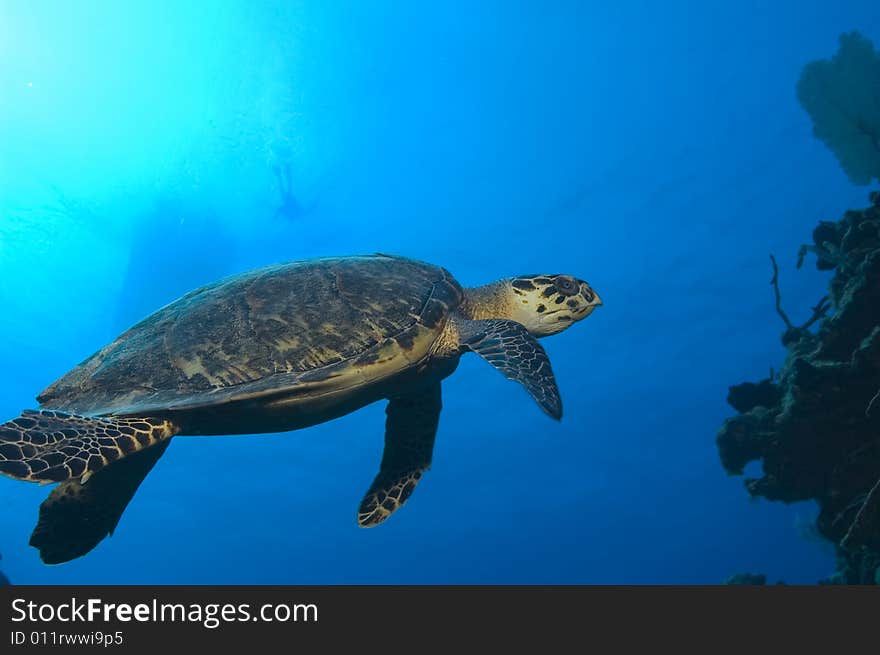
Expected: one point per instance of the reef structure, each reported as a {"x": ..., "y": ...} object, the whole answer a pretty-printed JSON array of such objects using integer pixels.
[
  {"x": 4, "y": 581},
  {"x": 815, "y": 427}
]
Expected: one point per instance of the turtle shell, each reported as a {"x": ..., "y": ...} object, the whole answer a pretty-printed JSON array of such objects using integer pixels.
[{"x": 264, "y": 332}]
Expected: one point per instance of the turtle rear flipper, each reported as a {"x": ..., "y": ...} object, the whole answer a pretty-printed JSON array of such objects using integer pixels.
[
  {"x": 410, "y": 430},
  {"x": 52, "y": 446},
  {"x": 76, "y": 516}
]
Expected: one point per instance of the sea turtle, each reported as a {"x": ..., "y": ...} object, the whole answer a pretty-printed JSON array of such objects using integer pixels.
[{"x": 275, "y": 349}]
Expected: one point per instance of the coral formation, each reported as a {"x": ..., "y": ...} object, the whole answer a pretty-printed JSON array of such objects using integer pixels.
[
  {"x": 816, "y": 426},
  {"x": 747, "y": 579},
  {"x": 4, "y": 581},
  {"x": 842, "y": 96}
]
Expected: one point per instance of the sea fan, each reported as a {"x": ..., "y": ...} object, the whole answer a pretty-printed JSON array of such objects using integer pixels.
[{"x": 842, "y": 96}]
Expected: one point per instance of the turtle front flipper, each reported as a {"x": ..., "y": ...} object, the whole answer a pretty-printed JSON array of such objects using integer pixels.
[
  {"x": 508, "y": 346},
  {"x": 76, "y": 516},
  {"x": 409, "y": 443},
  {"x": 52, "y": 446}
]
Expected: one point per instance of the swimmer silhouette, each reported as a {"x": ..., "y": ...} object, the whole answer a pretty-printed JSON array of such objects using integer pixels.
[{"x": 289, "y": 207}]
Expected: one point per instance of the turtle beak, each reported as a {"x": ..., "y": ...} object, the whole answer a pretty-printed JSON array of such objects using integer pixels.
[{"x": 589, "y": 295}]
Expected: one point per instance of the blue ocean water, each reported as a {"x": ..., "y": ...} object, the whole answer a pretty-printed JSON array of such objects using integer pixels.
[{"x": 656, "y": 150}]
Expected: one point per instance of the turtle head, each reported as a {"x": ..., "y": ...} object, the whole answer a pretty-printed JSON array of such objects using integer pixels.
[{"x": 547, "y": 304}]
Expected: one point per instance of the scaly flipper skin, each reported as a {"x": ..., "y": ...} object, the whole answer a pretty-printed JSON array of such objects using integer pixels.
[
  {"x": 52, "y": 446},
  {"x": 409, "y": 443},
  {"x": 509, "y": 347},
  {"x": 76, "y": 517}
]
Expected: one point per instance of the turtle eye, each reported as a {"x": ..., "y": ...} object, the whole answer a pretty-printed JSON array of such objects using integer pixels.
[{"x": 566, "y": 285}]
